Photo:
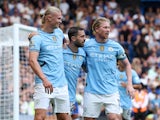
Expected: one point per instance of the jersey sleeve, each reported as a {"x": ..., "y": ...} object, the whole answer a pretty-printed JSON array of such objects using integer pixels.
[
  {"x": 135, "y": 77},
  {"x": 35, "y": 43},
  {"x": 121, "y": 53}
]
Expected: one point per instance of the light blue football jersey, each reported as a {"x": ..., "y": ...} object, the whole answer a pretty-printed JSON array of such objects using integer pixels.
[
  {"x": 125, "y": 99},
  {"x": 101, "y": 65},
  {"x": 49, "y": 46},
  {"x": 72, "y": 65}
]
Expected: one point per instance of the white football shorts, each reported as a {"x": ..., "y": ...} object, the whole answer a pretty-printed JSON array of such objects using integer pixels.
[
  {"x": 126, "y": 113},
  {"x": 59, "y": 99},
  {"x": 94, "y": 102}
]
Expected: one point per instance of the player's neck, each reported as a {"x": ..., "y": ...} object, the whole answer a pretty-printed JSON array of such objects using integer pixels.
[
  {"x": 73, "y": 48},
  {"x": 47, "y": 28},
  {"x": 101, "y": 40}
]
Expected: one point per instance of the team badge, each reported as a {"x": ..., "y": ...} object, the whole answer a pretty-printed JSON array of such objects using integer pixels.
[
  {"x": 54, "y": 38},
  {"x": 121, "y": 76},
  {"x": 101, "y": 48},
  {"x": 110, "y": 49},
  {"x": 80, "y": 57},
  {"x": 74, "y": 57}
]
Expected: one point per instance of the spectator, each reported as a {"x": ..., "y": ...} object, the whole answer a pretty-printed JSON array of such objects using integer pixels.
[{"x": 140, "y": 103}]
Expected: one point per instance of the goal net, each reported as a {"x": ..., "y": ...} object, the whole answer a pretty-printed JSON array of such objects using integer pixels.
[{"x": 16, "y": 76}]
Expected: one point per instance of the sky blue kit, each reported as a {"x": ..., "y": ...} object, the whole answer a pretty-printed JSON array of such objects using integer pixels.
[
  {"x": 49, "y": 46},
  {"x": 125, "y": 99},
  {"x": 101, "y": 65},
  {"x": 72, "y": 65}
]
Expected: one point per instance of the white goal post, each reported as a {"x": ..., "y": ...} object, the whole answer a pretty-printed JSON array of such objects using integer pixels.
[{"x": 11, "y": 39}]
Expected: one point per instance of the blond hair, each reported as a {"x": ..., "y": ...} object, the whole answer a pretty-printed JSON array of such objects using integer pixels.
[
  {"x": 49, "y": 10},
  {"x": 98, "y": 22}
]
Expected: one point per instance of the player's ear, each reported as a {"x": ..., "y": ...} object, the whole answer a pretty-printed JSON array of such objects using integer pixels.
[
  {"x": 73, "y": 38},
  {"x": 96, "y": 29},
  {"x": 49, "y": 17}
]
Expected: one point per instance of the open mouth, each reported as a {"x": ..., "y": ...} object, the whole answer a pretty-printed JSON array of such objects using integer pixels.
[{"x": 107, "y": 33}]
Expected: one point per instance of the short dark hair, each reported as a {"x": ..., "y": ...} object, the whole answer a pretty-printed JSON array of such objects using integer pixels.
[{"x": 73, "y": 31}]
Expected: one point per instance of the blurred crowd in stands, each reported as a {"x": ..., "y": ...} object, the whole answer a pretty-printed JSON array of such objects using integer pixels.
[{"x": 138, "y": 33}]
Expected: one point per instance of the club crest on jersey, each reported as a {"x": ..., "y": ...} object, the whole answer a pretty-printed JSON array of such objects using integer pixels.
[
  {"x": 54, "y": 38},
  {"x": 80, "y": 57},
  {"x": 101, "y": 48},
  {"x": 74, "y": 57},
  {"x": 121, "y": 76},
  {"x": 110, "y": 49}
]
